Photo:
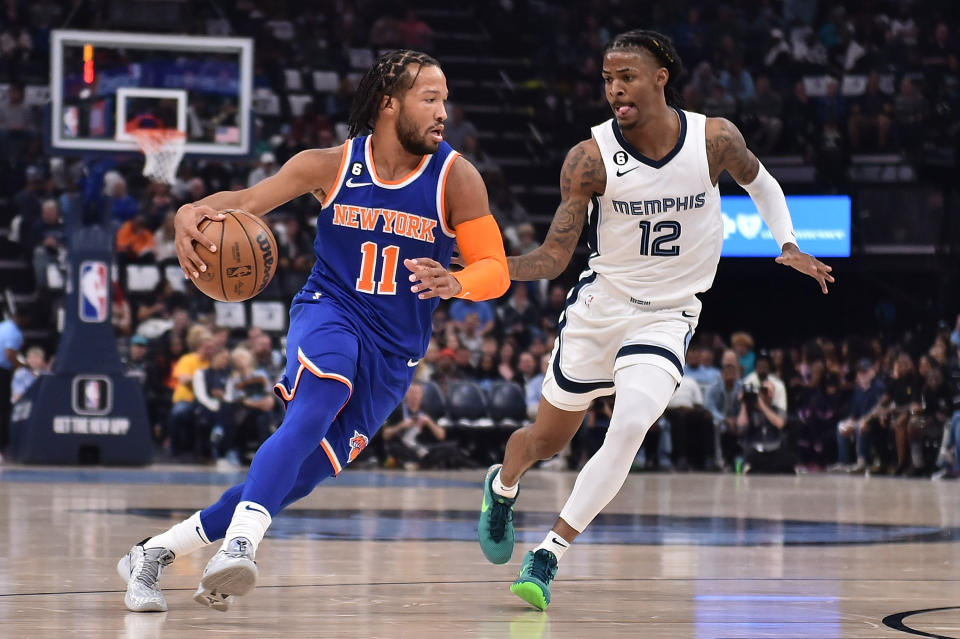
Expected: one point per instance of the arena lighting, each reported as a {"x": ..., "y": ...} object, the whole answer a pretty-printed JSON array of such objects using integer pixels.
[{"x": 88, "y": 72}]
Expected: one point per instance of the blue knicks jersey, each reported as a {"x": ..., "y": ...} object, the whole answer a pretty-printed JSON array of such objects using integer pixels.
[{"x": 365, "y": 230}]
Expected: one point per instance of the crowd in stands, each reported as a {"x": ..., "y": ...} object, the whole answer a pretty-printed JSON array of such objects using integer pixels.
[
  {"x": 822, "y": 80},
  {"x": 857, "y": 405}
]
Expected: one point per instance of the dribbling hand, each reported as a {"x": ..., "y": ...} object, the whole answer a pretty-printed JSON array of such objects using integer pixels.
[
  {"x": 806, "y": 264},
  {"x": 431, "y": 279},
  {"x": 185, "y": 225}
]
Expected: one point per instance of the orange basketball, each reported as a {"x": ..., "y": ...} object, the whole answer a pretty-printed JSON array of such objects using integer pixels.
[{"x": 245, "y": 260}]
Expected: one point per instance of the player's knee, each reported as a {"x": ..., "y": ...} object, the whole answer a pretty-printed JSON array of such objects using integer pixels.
[
  {"x": 629, "y": 434},
  {"x": 632, "y": 421}
]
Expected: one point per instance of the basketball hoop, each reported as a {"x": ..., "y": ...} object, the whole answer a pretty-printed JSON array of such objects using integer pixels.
[{"x": 163, "y": 149}]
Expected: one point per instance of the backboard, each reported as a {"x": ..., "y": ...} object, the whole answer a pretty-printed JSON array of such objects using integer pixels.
[{"x": 101, "y": 83}]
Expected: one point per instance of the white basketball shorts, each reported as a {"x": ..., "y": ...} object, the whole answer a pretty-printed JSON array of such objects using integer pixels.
[{"x": 601, "y": 332}]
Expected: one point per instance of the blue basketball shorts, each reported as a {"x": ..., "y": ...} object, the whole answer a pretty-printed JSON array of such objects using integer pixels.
[{"x": 328, "y": 341}]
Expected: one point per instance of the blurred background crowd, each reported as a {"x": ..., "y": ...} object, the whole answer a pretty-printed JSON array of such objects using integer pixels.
[{"x": 827, "y": 86}]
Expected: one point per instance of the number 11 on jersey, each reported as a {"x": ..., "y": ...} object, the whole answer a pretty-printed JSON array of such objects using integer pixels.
[{"x": 388, "y": 272}]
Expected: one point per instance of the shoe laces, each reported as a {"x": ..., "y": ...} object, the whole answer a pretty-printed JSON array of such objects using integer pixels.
[
  {"x": 544, "y": 566},
  {"x": 501, "y": 512},
  {"x": 151, "y": 565}
]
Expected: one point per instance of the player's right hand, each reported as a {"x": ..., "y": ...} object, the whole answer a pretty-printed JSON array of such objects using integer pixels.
[
  {"x": 185, "y": 225},
  {"x": 431, "y": 279}
]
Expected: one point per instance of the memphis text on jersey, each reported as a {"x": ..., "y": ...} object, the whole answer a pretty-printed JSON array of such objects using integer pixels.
[
  {"x": 663, "y": 205},
  {"x": 395, "y": 222}
]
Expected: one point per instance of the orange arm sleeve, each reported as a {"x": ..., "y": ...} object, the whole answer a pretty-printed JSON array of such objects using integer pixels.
[{"x": 481, "y": 245}]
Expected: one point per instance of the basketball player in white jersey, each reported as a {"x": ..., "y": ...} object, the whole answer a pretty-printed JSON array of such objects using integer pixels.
[{"x": 646, "y": 184}]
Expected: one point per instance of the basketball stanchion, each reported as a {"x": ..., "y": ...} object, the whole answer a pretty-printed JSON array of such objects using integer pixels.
[{"x": 88, "y": 410}]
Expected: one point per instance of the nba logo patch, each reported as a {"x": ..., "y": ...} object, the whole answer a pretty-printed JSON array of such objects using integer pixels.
[
  {"x": 93, "y": 292},
  {"x": 92, "y": 395},
  {"x": 357, "y": 443}
]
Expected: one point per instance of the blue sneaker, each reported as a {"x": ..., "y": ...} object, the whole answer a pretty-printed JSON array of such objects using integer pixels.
[
  {"x": 495, "y": 529},
  {"x": 537, "y": 571}
]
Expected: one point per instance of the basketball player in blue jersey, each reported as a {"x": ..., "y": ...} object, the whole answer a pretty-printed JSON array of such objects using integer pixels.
[
  {"x": 646, "y": 182},
  {"x": 394, "y": 204}
]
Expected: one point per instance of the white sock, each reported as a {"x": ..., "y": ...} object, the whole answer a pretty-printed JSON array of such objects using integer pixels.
[
  {"x": 504, "y": 491},
  {"x": 555, "y": 544},
  {"x": 250, "y": 520},
  {"x": 183, "y": 539}
]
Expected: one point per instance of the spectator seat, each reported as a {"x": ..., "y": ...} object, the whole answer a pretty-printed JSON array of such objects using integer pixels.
[
  {"x": 466, "y": 406},
  {"x": 433, "y": 403},
  {"x": 508, "y": 406}
]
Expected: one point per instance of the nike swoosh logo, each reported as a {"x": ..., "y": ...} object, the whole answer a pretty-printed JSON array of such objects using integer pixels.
[
  {"x": 200, "y": 535},
  {"x": 560, "y": 543},
  {"x": 622, "y": 173},
  {"x": 412, "y": 362},
  {"x": 485, "y": 506},
  {"x": 352, "y": 185},
  {"x": 684, "y": 313},
  {"x": 257, "y": 510}
]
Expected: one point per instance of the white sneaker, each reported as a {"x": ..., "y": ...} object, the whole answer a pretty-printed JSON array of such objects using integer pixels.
[
  {"x": 942, "y": 474},
  {"x": 229, "y": 572},
  {"x": 141, "y": 568}
]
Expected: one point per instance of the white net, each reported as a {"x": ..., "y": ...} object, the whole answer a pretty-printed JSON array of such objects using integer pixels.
[{"x": 163, "y": 149}]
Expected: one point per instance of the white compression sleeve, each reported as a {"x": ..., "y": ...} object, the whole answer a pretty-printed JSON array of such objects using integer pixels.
[
  {"x": 643, "y": 391},
  {"x": 766, "y": 193}
]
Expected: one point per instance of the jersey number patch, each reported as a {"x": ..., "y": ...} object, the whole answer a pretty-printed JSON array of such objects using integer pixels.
[
  {"x": 669, "y": 232},
  {"x": 388, "y": 272}
]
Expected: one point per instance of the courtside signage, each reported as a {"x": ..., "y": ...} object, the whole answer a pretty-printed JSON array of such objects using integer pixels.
[{"x": 822, "y": 224}]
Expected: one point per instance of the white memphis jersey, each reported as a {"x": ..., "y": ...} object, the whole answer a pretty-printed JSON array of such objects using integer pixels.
[{"x": 656, "y": 232}]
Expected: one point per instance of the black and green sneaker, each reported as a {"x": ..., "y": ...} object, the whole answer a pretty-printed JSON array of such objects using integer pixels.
[
  {"x": 537, "y": 571},
  {"x": 495, "y": 529}
]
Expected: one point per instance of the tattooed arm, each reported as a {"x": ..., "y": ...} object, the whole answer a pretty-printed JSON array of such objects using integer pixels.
[
  {"x": 727, "y": 151},
  {"x": 581, "y": 177}
]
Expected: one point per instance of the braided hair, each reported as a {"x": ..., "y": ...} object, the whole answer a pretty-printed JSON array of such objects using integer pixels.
[
  {"x": 661, "y": 47},
  {"x": 385, "y": 77}
]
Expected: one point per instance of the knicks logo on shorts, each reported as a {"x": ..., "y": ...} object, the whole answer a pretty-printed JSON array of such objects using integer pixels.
[{"x": 357, "y": 443}]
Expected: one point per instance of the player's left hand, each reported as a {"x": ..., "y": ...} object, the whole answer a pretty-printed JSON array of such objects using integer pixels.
[
  {"x": 431, "y": 279},
  {"x": 806, "y": 264}
]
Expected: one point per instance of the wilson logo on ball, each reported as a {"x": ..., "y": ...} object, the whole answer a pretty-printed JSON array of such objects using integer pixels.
[{"x": 264, "y": 243}]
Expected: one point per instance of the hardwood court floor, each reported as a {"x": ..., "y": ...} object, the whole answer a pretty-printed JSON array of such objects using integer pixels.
[{"x": 391, "y": 554}]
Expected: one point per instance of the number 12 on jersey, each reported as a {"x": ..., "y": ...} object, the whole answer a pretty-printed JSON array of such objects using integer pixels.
[
  {"x": 388, "y": 271},
  {"x": 672, "y": 229}
]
